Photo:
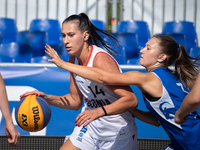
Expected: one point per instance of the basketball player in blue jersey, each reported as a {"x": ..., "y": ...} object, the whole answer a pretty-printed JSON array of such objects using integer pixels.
[
  {"x": 107, "y": 124},
  {"x": 163, "y": 89}
]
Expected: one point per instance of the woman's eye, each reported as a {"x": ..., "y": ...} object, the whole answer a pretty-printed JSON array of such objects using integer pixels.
[{"x": 71, "y": 35}]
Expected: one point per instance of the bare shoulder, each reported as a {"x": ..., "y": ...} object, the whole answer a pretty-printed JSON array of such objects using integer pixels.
[{"x": 105, "y": 62}]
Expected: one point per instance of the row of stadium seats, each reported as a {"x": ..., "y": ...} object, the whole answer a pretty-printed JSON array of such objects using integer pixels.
[{"x": 132, "y": 35}]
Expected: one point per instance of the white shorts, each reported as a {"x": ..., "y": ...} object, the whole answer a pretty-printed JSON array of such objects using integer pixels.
[{"x": 84, "y": 141}]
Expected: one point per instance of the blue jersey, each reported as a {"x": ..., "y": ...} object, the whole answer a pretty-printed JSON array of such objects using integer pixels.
[{"x": 185, "y": 136}]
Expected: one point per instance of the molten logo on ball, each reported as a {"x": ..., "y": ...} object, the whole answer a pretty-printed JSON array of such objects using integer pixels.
[{"x": 32, "y": 113}]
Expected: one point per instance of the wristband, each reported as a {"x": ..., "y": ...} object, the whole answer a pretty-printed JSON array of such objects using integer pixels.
[{"x": 104, "y": 110}]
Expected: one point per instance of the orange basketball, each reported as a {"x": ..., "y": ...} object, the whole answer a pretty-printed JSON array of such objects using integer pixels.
[{"x": 33, "y": 113}]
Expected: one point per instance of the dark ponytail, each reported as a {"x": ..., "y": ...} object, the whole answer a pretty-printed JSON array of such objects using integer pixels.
[
  {"x": 94, "y": 39},
  {"x": 186, "y": 67}
]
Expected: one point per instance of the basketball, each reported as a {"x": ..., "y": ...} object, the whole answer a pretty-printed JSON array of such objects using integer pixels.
[{"x": 32, "y": 113}]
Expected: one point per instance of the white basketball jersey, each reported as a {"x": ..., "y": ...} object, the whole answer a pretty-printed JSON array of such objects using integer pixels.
[{"x": 108, "y": 127}]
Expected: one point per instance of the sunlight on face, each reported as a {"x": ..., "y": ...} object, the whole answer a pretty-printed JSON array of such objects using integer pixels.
[
  {"x": 73, "y": 38},
  {"x": 149, "y": 54}
]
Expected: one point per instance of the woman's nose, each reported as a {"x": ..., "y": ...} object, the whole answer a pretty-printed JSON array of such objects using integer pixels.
[{"x": 65, "y": 40}]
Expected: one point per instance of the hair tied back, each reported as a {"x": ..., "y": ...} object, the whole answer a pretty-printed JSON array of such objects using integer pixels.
[{"x": 177, "y": 45}]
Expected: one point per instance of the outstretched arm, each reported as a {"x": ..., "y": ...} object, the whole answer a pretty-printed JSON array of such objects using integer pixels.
[
  {"x": 11, "y": 132},
  {"x": 190, "y": 103},
  {"x": 96, "y": 74}
]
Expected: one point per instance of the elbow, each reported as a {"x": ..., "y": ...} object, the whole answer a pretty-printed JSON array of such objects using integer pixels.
[
  {"x": 195, "y": 101},
  {"x": 77, "y": 107},
  {"x": 134, "y": 101},
  {"x": 192, "y": 99},
  {"x": 133, "y": 104}
]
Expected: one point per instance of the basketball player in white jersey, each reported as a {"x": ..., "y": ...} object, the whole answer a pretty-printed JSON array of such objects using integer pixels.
[{"x": 105, "y": 122}]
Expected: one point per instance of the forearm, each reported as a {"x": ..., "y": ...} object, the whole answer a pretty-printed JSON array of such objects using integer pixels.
[
  {"x": 190, "y": 104},
  {"x": 65, "y": 102},
  {"x": 90, "y": 73},
  {"x": 4, "y": 105},
  {"x": 145, "y": 116},
  {"x": 122, "y": 105}
]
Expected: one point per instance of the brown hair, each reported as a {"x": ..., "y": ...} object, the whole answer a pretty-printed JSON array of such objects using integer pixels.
[
  {"x": 94, "y": 39},
  {"x": 186, "y": 67}
]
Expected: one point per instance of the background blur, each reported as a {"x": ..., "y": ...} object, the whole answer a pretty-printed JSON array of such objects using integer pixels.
[
  {"x": 23, "y": 61},
  {"x": 154, "y": 12}
]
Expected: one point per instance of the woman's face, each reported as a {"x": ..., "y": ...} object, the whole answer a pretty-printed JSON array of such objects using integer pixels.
[
  {"x": 73, "y": 38},
  {"x": 149, "y": 54}
]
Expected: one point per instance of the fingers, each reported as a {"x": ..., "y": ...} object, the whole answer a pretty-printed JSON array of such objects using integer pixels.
[
  {"x": 37, "y": 93},
  {"x": 86, "y": 117},
  {"x": 12, "y": 134},
  {"x": 50, "y": 51},
  {"x": 81, "y": 118},
  {"x": 14, "y": 141}
]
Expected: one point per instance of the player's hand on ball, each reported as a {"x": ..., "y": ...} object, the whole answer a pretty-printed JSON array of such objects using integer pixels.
[
  {"x": 35, "y": 92},
  {"x": 54, "y": 55},
  {"x": 87, "y": 115}
]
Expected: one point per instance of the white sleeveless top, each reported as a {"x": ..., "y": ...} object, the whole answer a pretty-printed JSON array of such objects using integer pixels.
[{"x": 119, "y": 126}]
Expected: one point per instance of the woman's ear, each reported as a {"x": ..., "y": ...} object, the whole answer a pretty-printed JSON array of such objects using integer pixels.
[
  {"x": 162, "y": 58},
  {"x": 86, "y": 35}
]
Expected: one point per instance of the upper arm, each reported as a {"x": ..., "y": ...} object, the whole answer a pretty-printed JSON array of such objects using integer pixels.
[
  {"x": 75, "y": 93},
  {"x": 146, "y": 82},
  {"x": 108, "y": 64},
  {"x": 194, "y": 95},
  {"x": 127, "y": 98}
]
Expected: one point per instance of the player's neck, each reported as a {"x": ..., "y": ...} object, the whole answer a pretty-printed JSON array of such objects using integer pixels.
[{"x": 85, "y": 54}]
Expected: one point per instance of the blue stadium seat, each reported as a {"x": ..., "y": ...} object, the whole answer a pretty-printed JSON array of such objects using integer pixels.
[
  {"x": 52, "y": 27},
  {"x": 99, "y": 24},
  {"x": 6, "y": 59},
  {"x": 37, "y": 40},
  {"x": 1, "y": 38},
  {"x": 194, "y": 52},
  {"x": 179, "y": 38},
  {"x": 40, "y": 59},
  {"x": 65, "y": 57},
  {"x": 133, "y": 61},
  {"x": 121, "y": 56},
  {"x": 184, "y": 27},
  {"x": 9, "y": 30},
  {"x": 16, "y": 51},
  {"x": 129, "y": 43},
  {"x": 140, "y": 28}
]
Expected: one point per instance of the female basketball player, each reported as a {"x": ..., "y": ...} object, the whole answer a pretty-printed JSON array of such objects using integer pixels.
[
  {"x": 108, "y": 123},
  {"x": 163, "y": 89}
]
